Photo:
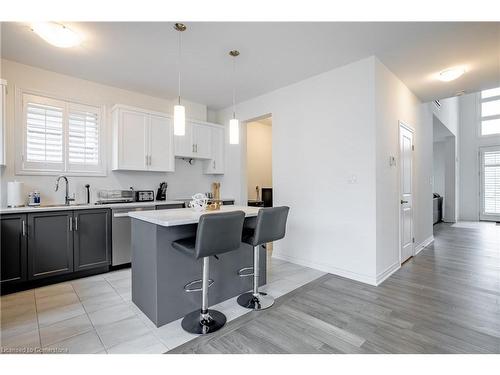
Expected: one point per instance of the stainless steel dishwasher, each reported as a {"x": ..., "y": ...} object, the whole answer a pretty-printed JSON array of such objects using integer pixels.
[{"x": 121, "y": 234}]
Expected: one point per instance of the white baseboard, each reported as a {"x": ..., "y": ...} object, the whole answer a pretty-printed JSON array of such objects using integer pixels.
[
  {"x": 326, "y": 268},
  {"x": 422, "y": 245},
  {"x": 381, "y": 277}
]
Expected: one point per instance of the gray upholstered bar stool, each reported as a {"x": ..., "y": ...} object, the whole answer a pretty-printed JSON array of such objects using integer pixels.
[
  {"x": 216, "y": 234},
  {"x": 269, "y": 226}
]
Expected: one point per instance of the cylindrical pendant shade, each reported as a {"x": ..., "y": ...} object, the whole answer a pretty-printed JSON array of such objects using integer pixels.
[
  {"x": 179, "y": 120},
  {"x": 234, "y": 131}
]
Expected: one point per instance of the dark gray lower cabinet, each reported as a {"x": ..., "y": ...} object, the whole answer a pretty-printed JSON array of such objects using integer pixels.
[
  {"x": 92, "y": 238},
  {"x": 13, "y": 250},
  {"x": 50, "y": 244}
]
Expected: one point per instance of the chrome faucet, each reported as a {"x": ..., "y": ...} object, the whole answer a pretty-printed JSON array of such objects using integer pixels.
[{"x": 67, "y": 198}]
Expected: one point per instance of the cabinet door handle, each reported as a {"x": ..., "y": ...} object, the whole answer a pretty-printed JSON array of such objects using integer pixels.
[
  {"x": 70, "y": 224},
  {"x": 150, "y": 160},
  {"x": 196, "y": 148},
  {"x": 76, "y": 223},
  {"x": 146, "y": 160},
  {"x": 24, "y": 229},
  {"x": 214, "y": 164}
]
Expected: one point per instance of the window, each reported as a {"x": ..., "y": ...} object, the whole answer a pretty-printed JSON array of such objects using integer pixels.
[
  {"x": 60, "y": 136},
  {"x": 490, "y": 111},
  {"x": 490, "y": 192}
]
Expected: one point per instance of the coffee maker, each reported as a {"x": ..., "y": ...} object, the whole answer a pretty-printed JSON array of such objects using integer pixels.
[{"x": 161, "y": 194}]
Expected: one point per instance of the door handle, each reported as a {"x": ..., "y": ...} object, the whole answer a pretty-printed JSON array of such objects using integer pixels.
[
  {"x": 24, "y": 229},
  {"x": 76, "y": 223},
  {"x": 403, "y": 202},
  {"x": 214, "y": 164},
  {"x": 146, "y": 160},
  {"x": 70, "y": 224}
]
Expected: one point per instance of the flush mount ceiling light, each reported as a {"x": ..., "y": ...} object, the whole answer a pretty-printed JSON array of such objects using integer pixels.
[
  {"x": 234, "y": 124},
  {"x": 179, "y": 110},
  {"x": 451, "y": 74},
  {"x": 57, "y": 34}
]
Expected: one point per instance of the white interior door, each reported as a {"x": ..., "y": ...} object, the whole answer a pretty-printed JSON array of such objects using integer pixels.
[
  {"x": 406, "y": 175},
  {"x": 490, "y": 183}
]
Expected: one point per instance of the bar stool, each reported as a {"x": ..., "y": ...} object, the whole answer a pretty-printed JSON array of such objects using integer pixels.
[
  {"x": 269, "y": 226},
  {"x": 216, "y": 234}
]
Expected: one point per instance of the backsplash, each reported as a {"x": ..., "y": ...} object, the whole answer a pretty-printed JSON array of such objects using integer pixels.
[{"x": 184, "y": 182}]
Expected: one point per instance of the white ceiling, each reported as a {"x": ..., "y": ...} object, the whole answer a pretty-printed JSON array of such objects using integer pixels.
[{"x": 142, "y": 56}]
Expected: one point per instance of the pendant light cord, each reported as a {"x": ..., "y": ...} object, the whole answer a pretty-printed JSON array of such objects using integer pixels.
[
  {"x": 179, "y": 69},
  {"x": 234, "y": 87}
]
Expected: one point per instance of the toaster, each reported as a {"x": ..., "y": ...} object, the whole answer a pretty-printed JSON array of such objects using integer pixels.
[{"x": 144, "y": 196}]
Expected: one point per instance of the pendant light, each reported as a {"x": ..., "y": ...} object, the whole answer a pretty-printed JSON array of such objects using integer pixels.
[
  {"x": 234, "y": 124},
  {"x": 179, "y": 110}
]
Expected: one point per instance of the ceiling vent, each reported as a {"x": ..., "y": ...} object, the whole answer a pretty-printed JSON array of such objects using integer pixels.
[{"x": 437, "y": 103}]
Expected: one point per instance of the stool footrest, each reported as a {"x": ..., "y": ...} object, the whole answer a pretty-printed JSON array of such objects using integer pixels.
[
  {"x": 246, "y": 272},
  {"x": 188, "y": 287}
]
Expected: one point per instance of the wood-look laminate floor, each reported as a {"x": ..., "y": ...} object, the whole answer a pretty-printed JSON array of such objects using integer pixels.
[{"x": 444, "y": 300}]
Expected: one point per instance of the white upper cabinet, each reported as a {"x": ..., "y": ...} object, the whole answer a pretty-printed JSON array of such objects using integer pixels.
[
  {"x": 142, "y": 141},
  {"x": 3, "y": 124},
  {"x": 216, "y": 164},
  {"x": 202, "y": 139},
  {"x": 161, "y": 144},
  {"x": 184, "y": 146},
  {"x": 196, "y": 143}
]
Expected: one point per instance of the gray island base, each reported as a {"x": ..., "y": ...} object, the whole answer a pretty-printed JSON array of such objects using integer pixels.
[{"x": 160, "y": 273}]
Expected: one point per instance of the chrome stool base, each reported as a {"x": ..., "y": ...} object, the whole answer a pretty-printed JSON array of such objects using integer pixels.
[
  {"x": 194, "y": 323},
  {"x": 260, "y": 302}
]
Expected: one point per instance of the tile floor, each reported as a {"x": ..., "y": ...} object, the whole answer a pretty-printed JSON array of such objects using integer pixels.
[{"x": 96, "y": 315}]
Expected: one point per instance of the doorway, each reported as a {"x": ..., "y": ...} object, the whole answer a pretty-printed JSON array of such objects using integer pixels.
[
  {"x": 259, "y": 166},
  {"x": 259, "y": 162},
  {"x": 406, "y": 191},
  {"x": 490, "y": 183}
]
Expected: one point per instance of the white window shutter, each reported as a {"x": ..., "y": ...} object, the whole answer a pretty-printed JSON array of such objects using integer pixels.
[
  {"x": 44, "y": 134},
  {"x": 84, "y": 135}
]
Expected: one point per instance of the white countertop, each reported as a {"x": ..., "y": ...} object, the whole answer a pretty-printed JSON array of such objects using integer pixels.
[
  {"x": 182, "y": 216},
  {"x": 27, "y": 209}
]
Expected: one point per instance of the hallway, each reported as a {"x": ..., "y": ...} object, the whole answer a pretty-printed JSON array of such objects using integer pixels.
[{"x": 444, "y": 300}]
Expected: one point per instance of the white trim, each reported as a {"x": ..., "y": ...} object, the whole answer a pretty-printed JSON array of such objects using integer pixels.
[
  {"x": 422, "y": 245},
  {"x": 384, "y": 275},
  {"x": 371, "y": 280}
]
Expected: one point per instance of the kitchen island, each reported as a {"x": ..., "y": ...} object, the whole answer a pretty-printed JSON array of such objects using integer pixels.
[{"x": 160, "y": 273}]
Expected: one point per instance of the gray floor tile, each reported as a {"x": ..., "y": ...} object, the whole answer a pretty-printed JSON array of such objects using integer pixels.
[
  {"x": 121, "y": 331},
  {"x": 65, "y": 329},
  {"x": 60, "y": 313},
  {"x": 111, "y": 314},
  {"x": 85, "y": 343},
  {"x": 145, "y": 344}
]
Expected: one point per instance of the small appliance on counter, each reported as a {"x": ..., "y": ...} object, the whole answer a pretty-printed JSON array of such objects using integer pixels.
[
  {"x": 144, "y": 196},
  {"x": 161, "y": 195},
  {"x": 115, "y": 196},
  {"x": 15, "y": 194}
]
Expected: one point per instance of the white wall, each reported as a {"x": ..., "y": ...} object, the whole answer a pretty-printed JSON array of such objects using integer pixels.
[
  {"x": 323, "y": 135},
  {"x": 332, "y": 138},
  {"x": 184, "y": 182},
  {"x": 394, "y": 102},
  {"x": 259, "y": 157},
  {"x": 470, "y": 143},
  {"x": 448, "y": 113}
]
